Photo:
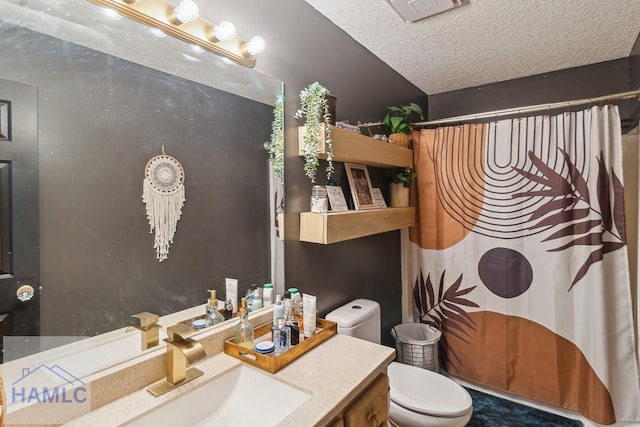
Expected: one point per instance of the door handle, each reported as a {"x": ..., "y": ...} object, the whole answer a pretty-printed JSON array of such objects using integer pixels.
[{"x": 25, "y": 293}]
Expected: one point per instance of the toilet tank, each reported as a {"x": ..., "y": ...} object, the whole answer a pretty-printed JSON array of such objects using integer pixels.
[{"x": 359, "y": 318}]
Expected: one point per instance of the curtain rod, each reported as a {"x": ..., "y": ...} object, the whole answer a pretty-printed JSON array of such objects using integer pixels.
[{"x": 533, "y": 108}]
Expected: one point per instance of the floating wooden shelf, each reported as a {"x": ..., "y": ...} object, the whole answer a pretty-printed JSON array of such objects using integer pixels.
[
  {"x": 335, "y": 227},
  {"x": 353, "y": 147}
]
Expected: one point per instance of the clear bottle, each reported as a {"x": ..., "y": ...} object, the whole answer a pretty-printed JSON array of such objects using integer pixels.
[
  {"x": 281, "y": 336},
  {"x": 213, "y": 316},
  {"x": 319, "y": 201},
  {"x": 278, "y": 310},
  {"x": 244, "y": 329},
  {"x": 286, "y": 301}
]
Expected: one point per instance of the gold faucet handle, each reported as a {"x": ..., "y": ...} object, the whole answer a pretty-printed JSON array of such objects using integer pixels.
[
  {"x": 147, "y": 320},
  {"x": 179, "y": 332}
]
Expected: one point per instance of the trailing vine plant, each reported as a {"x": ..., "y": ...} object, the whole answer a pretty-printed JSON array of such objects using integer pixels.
[
  {"x": 314, "y": 109},
  {"x": 276, "y": 146}
]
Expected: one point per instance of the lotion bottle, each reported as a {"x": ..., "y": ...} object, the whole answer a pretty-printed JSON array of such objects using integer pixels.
[{"x": 278, "y": 310}]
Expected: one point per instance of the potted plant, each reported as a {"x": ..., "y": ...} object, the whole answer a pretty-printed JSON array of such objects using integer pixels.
[
  {"x": 397, "y": 123},
  {"x": 276, "y": 144},
  {"x": 401, "y": 179},
  {"x": 314, "y": 109}
]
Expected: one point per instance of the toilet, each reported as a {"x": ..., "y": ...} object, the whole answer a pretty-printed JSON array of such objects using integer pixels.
[{"x": 418, "y": 397}]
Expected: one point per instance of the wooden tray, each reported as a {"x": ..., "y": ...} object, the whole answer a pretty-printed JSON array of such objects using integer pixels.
[{"x": 272, "y": 363}]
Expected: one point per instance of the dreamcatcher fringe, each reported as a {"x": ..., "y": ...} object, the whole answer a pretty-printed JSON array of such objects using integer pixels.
[{"x": 163, "y": 213}]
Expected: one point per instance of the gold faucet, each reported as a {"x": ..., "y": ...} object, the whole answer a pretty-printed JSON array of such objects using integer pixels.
[
  {"x": 149, "y": 328},
  {"x": 181, "y": 351}
]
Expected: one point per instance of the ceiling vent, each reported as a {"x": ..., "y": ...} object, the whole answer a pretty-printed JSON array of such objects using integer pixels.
[{"x": 415, "y": 10}]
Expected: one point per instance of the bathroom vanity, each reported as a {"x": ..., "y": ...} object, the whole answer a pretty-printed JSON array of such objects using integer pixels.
[
  {"x": 344, "y": 380},
  {"x": 341, "y": 382}
]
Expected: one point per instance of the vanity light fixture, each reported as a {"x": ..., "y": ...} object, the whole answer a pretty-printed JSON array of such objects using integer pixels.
[{"x": 183, "y": 22}]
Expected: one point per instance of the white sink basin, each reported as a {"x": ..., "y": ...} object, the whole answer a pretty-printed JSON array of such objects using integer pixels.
[{"x": 241, "y": 397}]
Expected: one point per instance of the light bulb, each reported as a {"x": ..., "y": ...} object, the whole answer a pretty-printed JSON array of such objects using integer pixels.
[
  {"x": 255, "y": 45},
  {"x": 187, "y": 11},
  {"x": 224, "y": 31}
]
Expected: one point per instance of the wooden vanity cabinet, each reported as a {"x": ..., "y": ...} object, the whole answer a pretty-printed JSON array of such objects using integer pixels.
[{"x": 369, "y": 409}]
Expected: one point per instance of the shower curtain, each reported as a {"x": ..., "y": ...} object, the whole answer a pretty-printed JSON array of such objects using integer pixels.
[
  {"x": 630, "y": 164},
  {"x": 519, "y": 256}
]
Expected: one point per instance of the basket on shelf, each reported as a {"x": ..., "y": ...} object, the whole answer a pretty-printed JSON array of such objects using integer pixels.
[{"x": 417, "y": 345}]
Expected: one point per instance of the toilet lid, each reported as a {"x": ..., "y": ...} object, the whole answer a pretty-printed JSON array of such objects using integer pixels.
[{"x": 427, "y": 392}]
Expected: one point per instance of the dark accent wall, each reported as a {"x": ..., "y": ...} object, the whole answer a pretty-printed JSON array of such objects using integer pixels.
[
  {"x": 100, "y": 120},
  {"x": 305, "y": 47},
  {"x": 573, "y": 83},
  {"x": 634, "y": 78}
]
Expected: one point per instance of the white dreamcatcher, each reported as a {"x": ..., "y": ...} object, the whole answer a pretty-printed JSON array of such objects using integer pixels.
[{"x": 164, "y": 196}]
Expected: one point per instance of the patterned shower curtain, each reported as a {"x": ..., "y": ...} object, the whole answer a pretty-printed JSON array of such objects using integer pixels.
[{"x": 519, "y": 257}]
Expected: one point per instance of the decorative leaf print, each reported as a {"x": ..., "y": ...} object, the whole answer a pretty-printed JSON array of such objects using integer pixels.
[
  {"x": 557, "y": 181},
  {"x": 595, "y": 256},
  {"x": 563, "y": 216},
  {"x": 443, "y": 310},
  {"x": 575, "y": 221},
  {"x": 552, "y": 206},
  {"x": 573, "y": 229},
  {"x": 589, "y": 239},
  {"x": 552, "y": 193},
  {"x": 533, "y": 177},
  {"x": 578, "y": 181},
  {"x": 603, "y": 194},
  {"x": 618, "y": 206}
]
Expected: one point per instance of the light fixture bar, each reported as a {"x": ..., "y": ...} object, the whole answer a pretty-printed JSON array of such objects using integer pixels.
[{"x": 159, "y": 14}]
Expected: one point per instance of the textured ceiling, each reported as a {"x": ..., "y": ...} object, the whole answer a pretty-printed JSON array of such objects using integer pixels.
[{"x": 488, "y": 41}]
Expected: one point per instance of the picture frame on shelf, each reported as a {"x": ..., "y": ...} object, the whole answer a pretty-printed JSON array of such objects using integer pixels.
[
  {"x": 360, "y": 185},
  {"x": 336, "y": 199},
  {"x": 378, "y": 198}
]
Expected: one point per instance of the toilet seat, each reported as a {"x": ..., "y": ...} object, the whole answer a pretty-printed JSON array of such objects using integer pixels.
[{"x": 426, "y": 392}]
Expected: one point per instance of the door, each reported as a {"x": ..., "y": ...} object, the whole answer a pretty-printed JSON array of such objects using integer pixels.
[{"x": 19, "y": 231}]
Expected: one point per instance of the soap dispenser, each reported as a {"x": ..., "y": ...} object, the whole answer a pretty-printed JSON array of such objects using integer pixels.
[
  {"x": 213, "y": 316},
  {"x": 244, "y": 329}
]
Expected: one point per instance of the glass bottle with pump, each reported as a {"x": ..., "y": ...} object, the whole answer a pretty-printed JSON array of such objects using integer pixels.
[
  {"x": 213, "y": 316},
  {"x": 244, "y": 329}
]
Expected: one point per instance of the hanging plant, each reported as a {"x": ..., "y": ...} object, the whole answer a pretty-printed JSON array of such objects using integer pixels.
[
  {"x": 314, "y": 109},
  {"x": 276, "y": 145}
]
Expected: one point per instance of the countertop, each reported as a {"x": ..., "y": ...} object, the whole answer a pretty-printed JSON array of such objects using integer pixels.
[{"x": 333, "y": 373}]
